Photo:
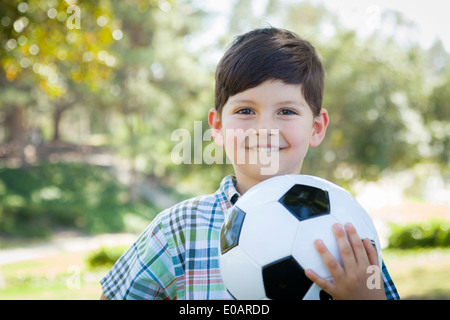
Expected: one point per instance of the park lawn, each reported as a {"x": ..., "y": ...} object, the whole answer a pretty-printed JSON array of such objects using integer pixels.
[
  {"x": 418, "y": 274},
  {"x": 59, "y": 277}
]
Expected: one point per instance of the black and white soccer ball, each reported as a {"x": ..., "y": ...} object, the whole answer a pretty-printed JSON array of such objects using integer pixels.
[{"x": 268, "y": 239}]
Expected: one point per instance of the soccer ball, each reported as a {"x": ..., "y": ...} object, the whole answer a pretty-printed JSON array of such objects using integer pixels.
[{"x": 268, "y": 239}]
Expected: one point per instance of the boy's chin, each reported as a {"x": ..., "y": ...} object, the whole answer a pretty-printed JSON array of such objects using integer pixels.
[{"x": 264, "y": 172}]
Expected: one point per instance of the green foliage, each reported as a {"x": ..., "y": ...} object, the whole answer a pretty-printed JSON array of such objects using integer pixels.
[
  {"x": 433, "y": 233},
  {"x": 54, "y": 45},
  {"x": 35, "y": 200},
  {"x": 105, "y": 257}
]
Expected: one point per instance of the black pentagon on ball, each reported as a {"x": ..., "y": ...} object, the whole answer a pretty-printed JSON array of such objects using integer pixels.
[
  {"x": 323, "y": 296},
  {"x": 285, "y": 279},
  {"x": 229, "y": 236},
  {"x": 306, "y": 202}
]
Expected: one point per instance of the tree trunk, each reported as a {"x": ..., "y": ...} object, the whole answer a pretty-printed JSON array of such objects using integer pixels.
[
  {"x": 16, "y": 132},
  {"x": 57, "y": 115},
  {"x": 60, "y": 108},
  {"x": 16, "y": 124}
]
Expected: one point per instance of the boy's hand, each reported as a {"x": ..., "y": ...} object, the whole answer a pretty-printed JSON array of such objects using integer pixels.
[{"x": 350, "y": 280}]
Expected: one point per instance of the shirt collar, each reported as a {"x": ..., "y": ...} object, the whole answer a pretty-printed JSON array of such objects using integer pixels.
[{"x": 227, "y": 187}]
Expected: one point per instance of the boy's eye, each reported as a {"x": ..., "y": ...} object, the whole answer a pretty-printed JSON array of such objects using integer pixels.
[
  {"x": 245, "y": 111},
  {"x": 285, "y": 112}
]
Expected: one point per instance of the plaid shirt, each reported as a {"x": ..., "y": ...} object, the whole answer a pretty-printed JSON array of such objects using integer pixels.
[{"x": 177, "y": 256}]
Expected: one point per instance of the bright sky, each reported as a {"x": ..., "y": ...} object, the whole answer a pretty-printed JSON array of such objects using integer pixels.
[{"x": 430, "y": 16}]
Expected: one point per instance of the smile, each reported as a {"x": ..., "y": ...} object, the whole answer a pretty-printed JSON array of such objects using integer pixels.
[{"x": 265, "y": 149}]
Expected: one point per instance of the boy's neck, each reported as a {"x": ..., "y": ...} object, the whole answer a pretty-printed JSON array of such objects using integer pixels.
[{"x": 244, "y": 182}]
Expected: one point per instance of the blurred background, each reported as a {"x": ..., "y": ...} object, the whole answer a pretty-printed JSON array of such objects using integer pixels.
[{"x": 91, "y": 92}]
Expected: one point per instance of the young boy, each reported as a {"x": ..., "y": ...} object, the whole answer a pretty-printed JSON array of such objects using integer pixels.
[{"x": 269, "y": 88}]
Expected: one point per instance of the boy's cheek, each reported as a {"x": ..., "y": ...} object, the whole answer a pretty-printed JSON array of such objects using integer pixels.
[
  {"x": 234, "y": 138},
  {"x": 234, "y": 147}
]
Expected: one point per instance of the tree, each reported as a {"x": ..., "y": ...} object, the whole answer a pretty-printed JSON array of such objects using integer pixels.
[
  {"x": 57, "y": 47},
  {"x": 157, "y": 87}
]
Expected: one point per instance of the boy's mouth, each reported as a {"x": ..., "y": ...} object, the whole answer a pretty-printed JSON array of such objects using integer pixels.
[
  {"x": 265, "y": 148},
  {"x": 265, "y": 144}
]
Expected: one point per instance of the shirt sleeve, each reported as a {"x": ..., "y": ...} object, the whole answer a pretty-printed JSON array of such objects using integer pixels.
[
  {"x": 145, "y": 271},
  {"x": 389, "y": 286}
]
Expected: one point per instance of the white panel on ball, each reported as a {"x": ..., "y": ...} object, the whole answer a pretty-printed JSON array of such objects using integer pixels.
[
  {"x": 242, "y": 276},
  {"x": 265, "y": 192},
  {"x": 358, "y": 217},
  {"x": 266, "y": 232},
  {"x": 305, "y": 252}
]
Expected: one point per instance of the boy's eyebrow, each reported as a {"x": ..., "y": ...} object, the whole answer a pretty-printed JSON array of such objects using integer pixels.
[
  {"x": 234, "y": 101},
  {"x": 290, "y": 102}
]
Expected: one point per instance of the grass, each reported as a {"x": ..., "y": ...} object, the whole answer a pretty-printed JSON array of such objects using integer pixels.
[
  {"x": 418, "y": 274},
  {"x": 421, "y": 273},
  {"x": 59, "y": 277}
]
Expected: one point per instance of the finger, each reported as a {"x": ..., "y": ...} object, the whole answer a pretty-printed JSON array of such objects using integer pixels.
[
  {"x": 330, "y": 261},
  {"x": 372, "y": 253},
  {"x": 359, "y": 251},
  {"x": 347, "y": 255},
  {"x": 326, "y": 285}
]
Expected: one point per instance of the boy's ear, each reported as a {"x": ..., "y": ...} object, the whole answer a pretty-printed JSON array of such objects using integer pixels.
[
  {"x": 216, "y": 126},
  {"x": 319, "y": 128}
]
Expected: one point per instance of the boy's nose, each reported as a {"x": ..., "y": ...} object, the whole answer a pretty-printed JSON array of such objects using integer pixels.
[
  {"x": 265, "y": 124},
  {"x": 266, "y": 130}
]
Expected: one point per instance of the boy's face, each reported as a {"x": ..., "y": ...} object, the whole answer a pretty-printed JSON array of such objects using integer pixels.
[{"x": 266, "y": 131}]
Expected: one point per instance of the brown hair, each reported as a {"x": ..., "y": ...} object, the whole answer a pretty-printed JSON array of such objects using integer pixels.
[{"x": 270, "y": 54}]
